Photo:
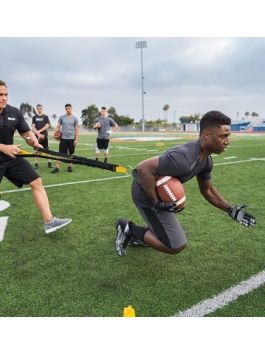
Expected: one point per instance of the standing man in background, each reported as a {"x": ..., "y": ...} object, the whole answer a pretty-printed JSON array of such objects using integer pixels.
[
  {"x": 104, "y": 126},
  {"x": 40, "y": 125},
  {"x": 70, "y": 131}
]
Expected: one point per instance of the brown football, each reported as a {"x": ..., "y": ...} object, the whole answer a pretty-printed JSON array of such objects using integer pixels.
[
  {"x": 57, "y": 135},
  {"x": 170, "y": 189}
]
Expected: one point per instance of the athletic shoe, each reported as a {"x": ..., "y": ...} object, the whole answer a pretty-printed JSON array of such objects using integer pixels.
[
  {"x": 55, "y": 170},
  {"x": 69, "y": 169},
  {"x": 36, "y": 166},
  {"x": 122, "y": 236},
  {"x": 55, "y": 224},
  {"x": 49, "y": 165},
  {"x": 134, "y": 242}
]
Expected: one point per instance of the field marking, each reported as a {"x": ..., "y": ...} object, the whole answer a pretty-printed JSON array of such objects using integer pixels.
[
  {"x": 69, "y": 183},
  {"x": 232, "y": 157},
  {"x": 4, "y": 205},
  {"x": 230, "y": 295},
  {"x": 112, "y": 156},
  {"x": 3, "y": 224},
  {"x": 242, "y": 161},
  {"x": 119, "y": 177}
]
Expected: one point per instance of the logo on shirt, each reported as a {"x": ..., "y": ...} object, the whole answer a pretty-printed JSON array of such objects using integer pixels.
[{"x": 10, "y": 118}]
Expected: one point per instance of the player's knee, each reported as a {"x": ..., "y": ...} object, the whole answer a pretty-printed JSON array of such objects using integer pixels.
[
  {"x": 37, "y": 183},
  {"x": 177, "y": 250}
]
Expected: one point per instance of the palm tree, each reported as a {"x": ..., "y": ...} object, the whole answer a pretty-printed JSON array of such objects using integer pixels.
[
  {"x": 166, "y": 108},
  {"x": 247, "y": 114}
]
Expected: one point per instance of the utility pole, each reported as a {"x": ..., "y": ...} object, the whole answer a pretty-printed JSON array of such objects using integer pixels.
[{"x": 141, "y": 45}]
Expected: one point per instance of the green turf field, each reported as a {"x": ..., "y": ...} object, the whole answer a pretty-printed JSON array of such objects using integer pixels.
[{"x": 76, "y": 271}]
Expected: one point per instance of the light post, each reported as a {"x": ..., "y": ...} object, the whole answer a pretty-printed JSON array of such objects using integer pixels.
[{"x": 141, "y": 45}]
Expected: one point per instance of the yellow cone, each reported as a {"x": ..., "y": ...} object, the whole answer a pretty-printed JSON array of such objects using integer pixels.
[{"x": 128, "y": 311}]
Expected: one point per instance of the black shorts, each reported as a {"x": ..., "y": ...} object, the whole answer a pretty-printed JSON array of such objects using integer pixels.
[
  {"x": 102, "y": 144},
  {"x": 19, "y": 171},
  {"x": 67, "y": 146}
]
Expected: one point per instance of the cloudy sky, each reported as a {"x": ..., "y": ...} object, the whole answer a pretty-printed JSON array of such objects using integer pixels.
[{"x": 191, "y": 75}]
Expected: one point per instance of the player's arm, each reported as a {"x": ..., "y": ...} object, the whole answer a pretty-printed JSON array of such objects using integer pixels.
[
  {"x": 114, "y": 127},
  {"x": 57, "y": 128},
  {"x": 10, "y": 150},
  {"x": 76, "y": 134},
  {"x": 44, "y": 128},
  {"x": 210, "y": 193},
  {"x": 236, "y": 212},
  {"x": 97, "y": 125},
  {"x": 33, "y": 127},
  {"x": 30, "y": 139},
  {"x": 147, "y": 172}
]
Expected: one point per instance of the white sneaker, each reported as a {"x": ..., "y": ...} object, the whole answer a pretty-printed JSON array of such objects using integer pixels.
[
  {"x": 122, "y": 236},
  {"x": 55, "y": 224}
]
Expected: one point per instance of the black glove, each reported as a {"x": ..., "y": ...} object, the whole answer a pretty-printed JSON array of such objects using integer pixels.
[
  {"x": 167, "y": 206},
  {"x": 241, "y": 216}
]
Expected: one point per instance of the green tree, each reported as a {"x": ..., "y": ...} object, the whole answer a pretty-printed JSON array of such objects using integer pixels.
[
  {"x": 112, "y": 112},
  {"x": 89, "y": 115},
  {"x": 190, "y": 119},
  {"x": 123, "y": 120}
]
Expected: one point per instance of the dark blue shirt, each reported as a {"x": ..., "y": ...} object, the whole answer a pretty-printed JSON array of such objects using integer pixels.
[{"x": 11, "y": 120}]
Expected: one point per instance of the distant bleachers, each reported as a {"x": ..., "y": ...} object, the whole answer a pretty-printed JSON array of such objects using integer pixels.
[{"x": 240, "y": 126}]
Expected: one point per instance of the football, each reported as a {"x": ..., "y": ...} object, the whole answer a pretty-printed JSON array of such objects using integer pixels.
[
  {"x": 57, "y": 135},
  {"x": 170, "y": 189}
]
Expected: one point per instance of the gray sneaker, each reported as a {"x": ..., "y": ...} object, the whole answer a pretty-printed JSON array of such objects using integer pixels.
[
  {"x": 122, "y": 236},
  {"x": 55, "y": 224}
]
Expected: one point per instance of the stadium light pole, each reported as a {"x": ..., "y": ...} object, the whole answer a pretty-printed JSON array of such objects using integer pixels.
[{"x": 141, "y": 45}]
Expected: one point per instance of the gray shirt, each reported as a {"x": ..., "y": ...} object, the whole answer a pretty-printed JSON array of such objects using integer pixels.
[
  {"x": 106, "y": 124},
  {"x": 183, "y": 162},
  {"x": 68, "y": 126}
]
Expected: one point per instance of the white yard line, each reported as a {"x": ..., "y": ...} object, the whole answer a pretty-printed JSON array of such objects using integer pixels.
[
  {"x": 231, "y": 294},
  {"x": 242, "y": 161},
  {"x": 119, "y": 177},
  {"x": 3, "y": 224},
  {"x": 111, "y": 156},
  {"x": 69, "y": 183}
]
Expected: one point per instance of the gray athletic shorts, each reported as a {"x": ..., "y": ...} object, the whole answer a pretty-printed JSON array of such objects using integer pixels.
[{"x": 165, "y": 225}]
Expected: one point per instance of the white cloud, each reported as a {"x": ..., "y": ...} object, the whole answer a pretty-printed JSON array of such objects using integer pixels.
[{"x": 189, "y": 74}]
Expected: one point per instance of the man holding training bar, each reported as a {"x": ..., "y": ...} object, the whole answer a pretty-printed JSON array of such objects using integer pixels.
[{"x": 18, "y": 170}]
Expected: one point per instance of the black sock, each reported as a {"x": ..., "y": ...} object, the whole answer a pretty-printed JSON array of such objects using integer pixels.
[
  {"x": 96, "y": 158},
  {"x": 105, "y": 160},
  {"x": 137, "y": 232}
]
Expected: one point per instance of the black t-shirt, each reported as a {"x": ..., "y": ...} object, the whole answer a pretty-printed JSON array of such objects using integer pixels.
[
  {"x": 40, "y": 121},
  {"x": 11, "y": 120}
]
